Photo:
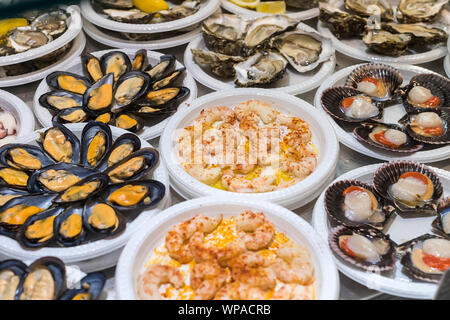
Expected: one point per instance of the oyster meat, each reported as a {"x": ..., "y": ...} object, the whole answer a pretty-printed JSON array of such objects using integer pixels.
[
  {"x": 411, "y": 11},
  {"x": 387, "y": 43},
  {"x": 421, "y": 34},
  {"x": 369, "y": 8},
  {"x": 220, "y": 64},
  {"x": 129, "y": 16}
]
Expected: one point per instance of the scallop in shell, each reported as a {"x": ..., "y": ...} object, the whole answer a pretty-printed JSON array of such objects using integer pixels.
[{"x": 428, "y": 127}]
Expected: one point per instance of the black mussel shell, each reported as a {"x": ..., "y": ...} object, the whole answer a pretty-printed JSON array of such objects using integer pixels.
[
  {"x": 8, "y": 191},
  {"x": 15, "y": 266},
  {"x": 91, "y": 286},
  {"x": 443, "y": 215},
  {"x": 117, "y": 228},
  {"x": 363, "y": 132},
  {"x": 430, "y": 139},
  {"x": 53, "y": 81},
  {"x": 389, "y": 173},
  {"x": 59, "y": 100},
  {"x": 150, "y": 161},
  {"x": 154, "y": 194},
  {"x": 438, "y": 85},
  {"x": 106, "y": 118},
  {"x": 168, "y": 80},
  {"x": 95, "y": 106},
  {"x": 332, "y": 100},
  {"x": 390, "y": 77},
  {"x": 42, "y": 201},
  {"x": 70, "y": 115},
  {"x": 409, "y": 268},
  {"x": 140, "y": 60},
  {"x": 116, "y": 62},
  {"x": 36, "y": 186},
  {"x": 129, "y": 81},
  {"x": 130, "y": 139},
  {"x": 34, "y": 151},
  {"x": 70, "y": 137},
  {"x": 128, "y": 121},
  {"x": 334, "y": 205},
  {"x": 100, "y": 177},
  {"x": 43, "y": 239},
  {"x": 165, "y": 66},
  {"x": 387, "y": 261},
  {"x": 91, "y": 67},
  {"x": 61, "y": 221},
  {"x": 162, "y": 102},
  {"x": 56, "y": 268},
  {"x": 15, "y": 182},
  {"x": 89, "y": 133}
]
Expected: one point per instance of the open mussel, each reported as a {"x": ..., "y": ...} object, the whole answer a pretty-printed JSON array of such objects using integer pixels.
[
  {"x": 70, "y": 115},
  {"x": 91, "y": 287},
  {"x": 100, "y": 96},
  {"x": 11, "y": 273},
  {"x": 68, "y": 227},
  {"x": 389, "y": 137},
  {"x": 355, "y": 203},
  {"x": 165, "y": 66},
  {"x": 134, "y": 195},
  {"x": 426, "y": 257},
  {"x": 14, "y": 178},
  {"x": 106, "y": 118},
  {"x": 38, "y": 230},
  {"x": 350, "y": 105},
  {"x": 60, "y": 100},
  {"x": 128, "y": 121},
  {"x": 412, "y": 187},
  {"x": 24, "y": 157},
  {"x": 7, "y": 193},
  {"x": 428, "y": 127},
  {"x": 124, "y": 146},
  {"x": 168, "y": 80},
  {"x": 95, "y": 143},
  {"x": 60, "y": 144},
  {"x": 133, "y": 167},
  {"x": 68, "y": 81},
  {"x": 442, "y": 222},
  {"x": 129, "y": 88},
  {"x": 140, "y": 60},
  {"x": 116, "y": 62},
  {"x": 45, "y": 280},
  {"x": 156, "y": 103},
  {"x": 83, "y": 189},
  {"x": 376, "y": 80},
  {"x": 91, "y": 67},
  {"x": 100, "y": 217}
]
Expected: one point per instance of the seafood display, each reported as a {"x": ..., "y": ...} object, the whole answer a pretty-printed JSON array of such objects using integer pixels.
[
  {"x": 45, "y": 279},
  {"x": 249, "y": 148},
  {"x": 411, "y": 29},
  {"x": 66, "y": 191},
  {"x": 257, "y": 53},
  {"x": 126, "y": 92},
  {"x": 370, "y": 88},
  {"x": 360, "y": 215},
  {"x": 241, "y": 257},
  {"x": 8, "y": 127},
  {"x": 278, "y": 7}
]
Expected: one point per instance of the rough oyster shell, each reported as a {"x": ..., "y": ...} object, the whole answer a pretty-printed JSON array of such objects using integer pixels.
[
  {"x": 386, "y": 43},
  {"x": 369, "y": 8},
  {"x": 421, "y": 34},
  {"x": 342, "y": 24},
  {"x": 220, "y": 64},
  {"x": 411, "y": 11}
]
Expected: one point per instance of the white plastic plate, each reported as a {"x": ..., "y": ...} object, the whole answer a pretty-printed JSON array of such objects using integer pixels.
[
  {"x": 322, "y": 136},
  {"x": 207, "y": 8},
  {"x": 447, "y": 65},
  {"x": 20, "y": 111},
  {"x": 73, "y": 29},
  {"x": 292, "y": 81},
  {"x": 401, "y": 230},
  {"x": 45, "y": 117},
  {"x": 139, "y": 248},
  {"x": 391, "y": 115},
  {"x": 92, "y": 250}
]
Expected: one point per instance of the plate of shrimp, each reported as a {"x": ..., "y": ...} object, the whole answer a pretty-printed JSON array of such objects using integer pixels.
[{"x": 209, "y": 248}]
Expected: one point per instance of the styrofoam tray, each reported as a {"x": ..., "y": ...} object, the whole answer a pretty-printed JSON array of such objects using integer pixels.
[
  {"x": 401, "y": 230},
  {"x": 77, "y": 47},
  {"x": 45, "y": 118},
  {"x": 140, "y": 247},
  {"x": 298, "y": 15},
  {"x": 447, "y": 65},
  {"x": 207, "y": 8},
  {"x": 95, "y": 249},
  {"x": 118, "y": 42},
  {"x": 355, "y": 48},
  {"x": 322, "y": 136},
  {"x": 391, "y": 115},
  {"x": 292, "y": 81},
  {"x": 73, "y": 29},
  {"x": 21, "y": 112}
]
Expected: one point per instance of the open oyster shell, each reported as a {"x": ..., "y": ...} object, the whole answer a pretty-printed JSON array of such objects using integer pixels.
[
  {"x": 411, "y": 11},
  {"x": 367, "y": 8},
  {"x": 342, "y": 24},
  {"x": 421, "y": 34},
  {"x": 220, "y": 64},
  {"x": 386, "y": 43}
]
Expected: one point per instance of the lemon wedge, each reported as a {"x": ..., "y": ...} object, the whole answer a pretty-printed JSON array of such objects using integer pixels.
[
  {"x": 9, "y": 24},
  {"x": 275, "y": 7},
  {"x": 249, "y": 4},
  {"x": 150, "y": 6}
]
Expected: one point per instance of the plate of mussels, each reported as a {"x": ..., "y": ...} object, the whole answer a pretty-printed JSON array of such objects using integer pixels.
[
  {"x": 77, "y": 191},
  {"x": 134, "y": 90},
  {"x": 274, "y": 51},
  {"x": 389, "y": 226},
  {"x": 411, "y": 36},
  {"x": 389, "y": 112}
]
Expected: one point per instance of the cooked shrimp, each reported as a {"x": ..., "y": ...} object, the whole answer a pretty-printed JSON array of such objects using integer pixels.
[
  {"x": 208, "y": 117},
  {"x": 264, "y": 111},
  {"x": 293, "y": 265},
  {"x": 200, "y": 250},
  {"x": 293, "y": 292},
  {"x": 255, "y": 230},
  {"x": 300, "y": 168},
  {"x": 154, "y": 277},
  {"x": 208, "y": 174},
  {"x": 184, "y": 148},
  {"x": 292, "y": 123},
  {"x": 263, "y": 183},
  {"x": 207, "y": 278},
  {"x": 226, "y": 254},
  {"x": 239, "y": 291}
]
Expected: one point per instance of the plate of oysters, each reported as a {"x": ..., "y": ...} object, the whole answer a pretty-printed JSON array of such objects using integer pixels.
[
  {"x": 369, "y": 30},
  {"x": 141, "y": 16},
  {"x": 274, "y": 51},
  {"x": 134, "y": 90},
  {"x": 388, "y": 226},
  {"x": 389, "y": 112}
]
